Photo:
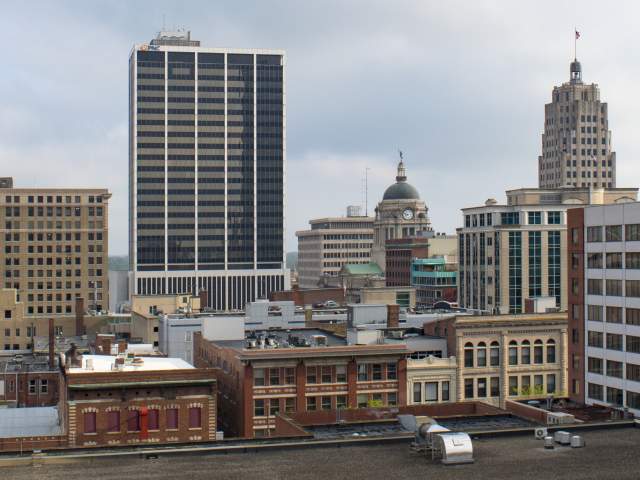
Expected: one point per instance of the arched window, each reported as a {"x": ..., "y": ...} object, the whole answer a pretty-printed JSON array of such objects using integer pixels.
[
  {"x": 513, "y": 352},
  {"x": 525, "y": 352},
  {"x": 494, "y": 357},
  {"x": 481, "y": 356},
  {"x": 537, "y": 352},
  {"x": 551, "y": 351},
  {"x": 468, "y": 354}
]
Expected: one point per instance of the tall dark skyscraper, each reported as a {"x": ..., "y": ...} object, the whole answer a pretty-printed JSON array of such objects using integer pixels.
[{"x": 206, "y": 170}]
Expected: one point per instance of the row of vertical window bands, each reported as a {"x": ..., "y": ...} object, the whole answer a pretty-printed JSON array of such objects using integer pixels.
[
  {"x": 611, "y": 314},
  {"x": 614, "y": 341},
  {"x": 613, "y": 287},
  {"x": 613, "y": 260}
]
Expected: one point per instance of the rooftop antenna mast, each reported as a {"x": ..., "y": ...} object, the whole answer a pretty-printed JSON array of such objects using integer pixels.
[{"x": 365, "y": 191}]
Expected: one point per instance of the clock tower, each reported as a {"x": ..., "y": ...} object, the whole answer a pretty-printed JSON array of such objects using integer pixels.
[{"x": 400, "y": 214}]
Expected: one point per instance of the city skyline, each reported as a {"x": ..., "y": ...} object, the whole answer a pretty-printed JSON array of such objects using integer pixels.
[{"x": 497, "y": 86}]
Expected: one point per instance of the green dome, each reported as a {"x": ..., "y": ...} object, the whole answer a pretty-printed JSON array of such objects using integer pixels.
[{"x": 401, "y": 191}]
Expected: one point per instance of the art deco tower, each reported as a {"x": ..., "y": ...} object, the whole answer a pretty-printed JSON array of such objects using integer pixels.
[{"x": 576, "y": 143}]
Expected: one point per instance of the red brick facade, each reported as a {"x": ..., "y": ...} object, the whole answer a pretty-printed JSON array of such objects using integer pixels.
[
  {"x": 30, "y": 388},
  {"x": 310, "y": 296},
  {"x": 128, "y": 408},
  {"x": 254, "y": 385},
  {"x": 399, "y": 254},
  {"x": 575, "y": 304}
]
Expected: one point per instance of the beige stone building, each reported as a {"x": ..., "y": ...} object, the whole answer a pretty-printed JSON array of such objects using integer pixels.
[
  {"x": 576, "y": 143},
  {"x": 514, "y": 357},
  {"x": 146, "y": 309},
  {"x": 508, "y": 253},
  {"x": 331, "y": 243},
  {"x": 431, "y": 380},
  {"x": 55, "y": 251}
]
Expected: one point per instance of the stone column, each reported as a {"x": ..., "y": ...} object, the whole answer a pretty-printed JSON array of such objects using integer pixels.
[
  {"x": 504, "y": 362},
  {"x": 460, "y": 369}
]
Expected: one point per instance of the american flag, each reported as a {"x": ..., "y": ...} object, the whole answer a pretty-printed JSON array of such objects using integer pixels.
[{"x": 577, "y": 34}]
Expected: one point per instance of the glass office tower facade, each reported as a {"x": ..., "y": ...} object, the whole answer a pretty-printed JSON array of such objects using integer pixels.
[{"x": 207, "y": 137}]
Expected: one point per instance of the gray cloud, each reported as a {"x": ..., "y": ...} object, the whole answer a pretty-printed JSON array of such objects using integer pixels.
[{"x": 459, "y": 86}]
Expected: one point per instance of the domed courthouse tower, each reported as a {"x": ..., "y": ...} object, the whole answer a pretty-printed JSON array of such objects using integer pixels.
[{"x": 400, "y": 214}]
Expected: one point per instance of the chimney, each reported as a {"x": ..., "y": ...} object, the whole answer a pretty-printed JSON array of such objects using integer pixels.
[
  {"x": 103, "y": 342},
  {"x": 52, "y": 344},
  {"x": 80, "y": 316},
  {"x": 122, "y": 346},
  {"x": 204, "y": 299},
  {"x": 393, "y": 316}
]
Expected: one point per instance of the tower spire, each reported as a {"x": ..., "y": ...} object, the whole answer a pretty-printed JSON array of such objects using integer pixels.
[{"x": 402, "y": 174}]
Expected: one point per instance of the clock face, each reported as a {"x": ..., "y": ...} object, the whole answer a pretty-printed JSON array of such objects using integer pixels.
[{"x": 407, "y": 214}]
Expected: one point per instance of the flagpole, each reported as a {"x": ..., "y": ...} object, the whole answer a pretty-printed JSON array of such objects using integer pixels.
[{"x": 575, "y": 43}]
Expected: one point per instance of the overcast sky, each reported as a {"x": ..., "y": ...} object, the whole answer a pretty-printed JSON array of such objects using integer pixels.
[{"x": 460, "y": 87}]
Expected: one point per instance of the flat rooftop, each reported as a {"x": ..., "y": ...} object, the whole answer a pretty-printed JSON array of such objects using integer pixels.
[
  {"x": 103, "y": 363},
  {"x": 29, "y": 422},
  {"x": 609, "y": 454},
  {"x": 293, "y": 337}
]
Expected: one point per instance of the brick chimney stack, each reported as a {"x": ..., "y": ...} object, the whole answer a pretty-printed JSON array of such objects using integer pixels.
[
  {"x": 393, "y": 316},
  {"x": 52, "y": 344},
  {"x": 80, "y": 316}
]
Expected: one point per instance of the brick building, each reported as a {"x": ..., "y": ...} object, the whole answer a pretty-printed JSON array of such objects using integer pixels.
[
  {"x": 300, "y": 370},
  {"x": 399, "y": 253},
  {"x": 125, "y": 400},
  {"x": 309, "y": 296},
  {"x": 28, "y": 381}
]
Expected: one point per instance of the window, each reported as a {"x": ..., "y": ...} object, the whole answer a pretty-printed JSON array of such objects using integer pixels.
[
  {"x": 89, "y": 422},
  {"x": 614, "y": 369},
  {"x": 614, "y": 260},
  {"x": 258, "y": 377},
  {"x": 172, "y": 418},
  {"x": 594, "y": 234},
  {"x": 633, "y": 344},
  {"x": 551, "y": 351},
  {"x": 613, "y": 233},
  {"x": 632, "y": 232},
  {"x": 633, "y": 399},
  {"x": 274, "y": 406},
  {"x": 594, "y": 260},
  {"x": 468, "y": 388},
  {"x": 595, "y": 365},
  {"x": 195, "y": 417},
  {"x": 311, "y": 375},
  {"x": 614, "y": 396},
  {"x": 594, "y": 313},
  {"x": 614, "y": 341},
  {"x": 258, "y": 408},
  {"x": 289, "y": 376},
  {"x": 113, "y": 421},
  {"x": 376, "y": 370},
  {"x": 525, "y": 353},
  {"x": 341, "y": 374},
  {"x": 513, "y": 352},
  {"x": 632, "y": 288},
  {"x": 594, "y": 286},
  {"x": 538, "y": 384},
  {"x": 594, "y": 339},
  {"x": 482, "y": 355},
  {"x": 614, "y": 287},
  {"x": 494, "y": 356},
  {"x": 537, "y": 352},
  {"x": 468, "y": 355},
  {"x": 392, "y": 371},
  {"x": 431, "y": 392},
  {"x": 363, "y": 400},
  {"x": 7, "y": 314},
  {"x": 445, "y": 391},
  {"x": 392, "y": 399},
  {"x": 614, "y": 314},
  {"x": 495, "y": 386},
  {"x": 417, "y": 392},
  {"x": 362, "y": 373},
  {"x": 632, "y": 260},
  {"x": 513, "y": 385},
  {"x": 633, "y": 372},
  {"x": 341, "y": 401},
  {"x": 32, "y": 387},
  {"x": 551, "y": 383},
  {"x": 632, "y": 316},
  {"x": 554, "y": 218},
  {"x": 289, "y": 405},
  {"x": 595, "y": 391},
  {"x": 312, "y": 404},
  {"x": 153, "y": 419},
  {"x": 44, "y": 386},
  {"x": 274, "y": 376},
  {"x": 133, "y": 421},
  {"x": 535, "y": 218},
  {"x": 482, "y": 387}
]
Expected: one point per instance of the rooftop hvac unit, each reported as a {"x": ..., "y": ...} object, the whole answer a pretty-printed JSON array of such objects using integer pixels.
[
  {"x": 577, "y": 441},
  {"x": 540, "y": 433},
  {"x": 560, "y": 418},
  {"x": 563, "y": 438},
  {"x": 548, "y": 443}
]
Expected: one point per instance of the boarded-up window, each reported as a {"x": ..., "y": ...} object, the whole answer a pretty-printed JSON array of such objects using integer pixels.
[
  {"x": 153, "y": 419},
  {"x": 113, "y": 421},
  {"x": 195, "y": 415},
  {"x": 172, "y": 418},
  {"x": 133, "y": 421},
  {"x": 90, "y": 422}
]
